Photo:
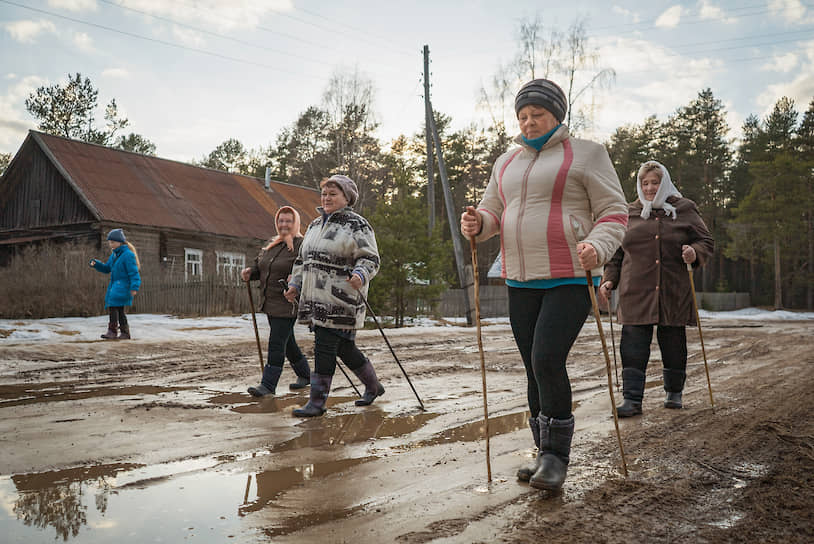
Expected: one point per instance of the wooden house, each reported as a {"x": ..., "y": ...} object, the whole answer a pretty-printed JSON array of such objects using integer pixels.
[{"x": 191, "y": 222}]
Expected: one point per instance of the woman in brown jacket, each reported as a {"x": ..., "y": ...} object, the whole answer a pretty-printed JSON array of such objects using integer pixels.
[
  {"x": 272, "y": 266},
  {"x": 665, "y": 233}
]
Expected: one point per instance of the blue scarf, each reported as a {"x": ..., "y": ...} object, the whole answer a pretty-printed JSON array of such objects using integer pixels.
[{"x": 538, "y": 143}]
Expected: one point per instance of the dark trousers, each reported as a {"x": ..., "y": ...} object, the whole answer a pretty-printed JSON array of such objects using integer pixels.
[
  {"x": 635, "y": 346},
  {"x": 545, "y": 323},
  {"x": 282, "y": 343},
  {"x": 117, "y": 316},
  {"x": 329, "y": 344}
]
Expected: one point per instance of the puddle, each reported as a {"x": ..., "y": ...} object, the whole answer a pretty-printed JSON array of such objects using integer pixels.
[
  {"x": 353, "y": 428},
  {"x": 15, "y": 395},
  {"x": 164, "y": 503},
  {"x": 474, "y": 430},
  {"x": 243, "y": 403}
]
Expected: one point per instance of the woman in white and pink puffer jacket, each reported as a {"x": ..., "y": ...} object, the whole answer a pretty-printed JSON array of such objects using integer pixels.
[{"x": 558, "y": 206}]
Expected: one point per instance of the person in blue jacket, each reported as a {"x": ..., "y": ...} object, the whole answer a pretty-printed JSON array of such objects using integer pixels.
[{"x": 123, "y": 267}]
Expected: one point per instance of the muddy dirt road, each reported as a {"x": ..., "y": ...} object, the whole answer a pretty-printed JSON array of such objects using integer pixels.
[{"x": 143, "y": 441}]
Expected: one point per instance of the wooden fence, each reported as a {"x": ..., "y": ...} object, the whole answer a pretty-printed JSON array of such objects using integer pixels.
[{"x": 207, "y": 297}]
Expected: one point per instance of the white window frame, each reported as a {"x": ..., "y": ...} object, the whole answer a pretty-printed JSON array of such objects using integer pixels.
[
  {"x": 230, "y": 271},
  {"x": 196, "y": 263}
]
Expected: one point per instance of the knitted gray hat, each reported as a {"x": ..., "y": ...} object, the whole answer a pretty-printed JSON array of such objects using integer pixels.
[
  {"x": 545, "y": 93},
  {"x": 346, "y": 185},
  {"x": 117, "y": 235}
]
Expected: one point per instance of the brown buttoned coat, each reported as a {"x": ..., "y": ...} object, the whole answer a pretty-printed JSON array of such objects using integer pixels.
[
  {"x": 270, "y": 266},
  {"x": 654, "y": 288}
]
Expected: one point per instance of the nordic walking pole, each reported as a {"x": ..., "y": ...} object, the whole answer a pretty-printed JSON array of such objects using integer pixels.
[
  {"x": 476, "y": 280},
  {"x": 598, "y": 320},
  {"x": 348, "y": 377},
  {"x": 386, "y": 341},
  {"x": 700, "y": 335},
  {"x": 254, "y": 321}
]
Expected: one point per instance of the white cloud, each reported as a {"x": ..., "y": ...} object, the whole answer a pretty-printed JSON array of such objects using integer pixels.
[
  {"x": 626, "y": 13},
  {"x": 27, "y": 31},
  {"x": 116, "y": 73},
  {"x": 707, "y": 11},
  {"x": 218, "y": 15},
  {"x": 800, "y": 89},
  {"x": 656, "y": 82},
  {"x": 73, "y": 5},
  {"x": 190, "y": 38},
  {"x": 14, "y": 120},
  {"x": 781, "y": 63},
  {"x": 83, "y": 42},
  {"x": 670, "y": 18},
  {"x": 792, "y": 11}
]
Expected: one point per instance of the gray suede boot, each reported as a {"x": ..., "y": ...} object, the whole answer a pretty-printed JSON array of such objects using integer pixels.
[
  {"x": 303, "y": 372},
  {"x": 633, "y": 391},
  {"x": 673, "y": 386},
  {"x": 525, "y": 473},
  {"x": 320, "y": 387},
  {"x": 268, "y": 384},
  {"x": 555, "y": 443},
  {"x": 373, "y": 388}
]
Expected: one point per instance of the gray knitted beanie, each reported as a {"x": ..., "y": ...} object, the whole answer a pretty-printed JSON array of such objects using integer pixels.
[
  {"x": 545, "y": 93},
  {"x": 346, "y": 185}
]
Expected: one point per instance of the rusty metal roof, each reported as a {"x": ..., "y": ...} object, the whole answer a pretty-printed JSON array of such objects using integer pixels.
[{"x": 124, "y": 187}]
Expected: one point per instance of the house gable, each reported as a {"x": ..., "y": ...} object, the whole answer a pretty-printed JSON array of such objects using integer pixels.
[{"x": 34, "y": 193}]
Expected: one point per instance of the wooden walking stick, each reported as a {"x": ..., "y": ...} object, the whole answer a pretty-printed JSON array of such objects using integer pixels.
[
  {"x": 700, "y": 335},
  {"x": 254, "y": 321},
  {"x": 598, "y": 320},
  {"x": 475, "y": 278},
  {"x": 613, "y": 344}
]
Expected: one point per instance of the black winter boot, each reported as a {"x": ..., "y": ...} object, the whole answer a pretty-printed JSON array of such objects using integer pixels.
[
  {"x": 525, "y": 473},
  {"x": 112, "y": 327},
  {"x": 632, "y": 391},
  {"x": 555, "y": 443},
  {"x": 373, "y": 388},
  {"x": 125, "y": 332},
  {"x": 303, "y": 372},
  {"x": 673, "y": 386},
  {"x": 268, "y": 384},
  {"x": 320, "y": 387}
]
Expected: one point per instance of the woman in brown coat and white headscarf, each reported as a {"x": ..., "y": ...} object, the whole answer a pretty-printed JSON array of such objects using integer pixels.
[
  {"x": 272, "y": 266},
  {"x": 665, "y": 233}
]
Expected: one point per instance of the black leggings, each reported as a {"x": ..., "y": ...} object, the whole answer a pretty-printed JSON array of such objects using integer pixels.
[
  {"x": 327, "y": 345},
  {"x": 117, "y": 316},
  {"x": 545, "y": 323},
  {"x": 635, "y": 346}
]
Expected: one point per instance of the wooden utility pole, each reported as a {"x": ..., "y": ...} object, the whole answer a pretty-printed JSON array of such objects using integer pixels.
[
  {"x": 465, "y": 276},
  {"x": 428, "y": 139}
]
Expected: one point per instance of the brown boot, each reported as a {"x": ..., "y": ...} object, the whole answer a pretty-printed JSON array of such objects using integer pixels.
[{"x": 111, "y": 331}]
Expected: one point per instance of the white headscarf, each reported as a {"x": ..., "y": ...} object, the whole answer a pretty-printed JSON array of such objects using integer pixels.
[{"x": 666, "y": 190}]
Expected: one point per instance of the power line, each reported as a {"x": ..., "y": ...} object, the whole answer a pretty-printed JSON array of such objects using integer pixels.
[
  {"x": 162, "y": 42},
  {"x": 321, "y": 45},
  {"x": 210, "y": 33}
]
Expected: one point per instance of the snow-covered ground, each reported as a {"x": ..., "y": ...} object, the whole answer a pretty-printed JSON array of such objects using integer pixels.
[{"x": 153, "y": 327}]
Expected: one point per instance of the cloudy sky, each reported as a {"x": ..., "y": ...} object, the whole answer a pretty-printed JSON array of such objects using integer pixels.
[{"x": 192, "y": 73}]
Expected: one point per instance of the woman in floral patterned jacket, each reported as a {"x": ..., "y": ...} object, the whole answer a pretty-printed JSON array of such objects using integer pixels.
[{"x": 338, "y": 258}]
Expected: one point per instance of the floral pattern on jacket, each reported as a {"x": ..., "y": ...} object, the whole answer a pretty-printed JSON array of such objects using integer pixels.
[{"x": 334, "y": 247}]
